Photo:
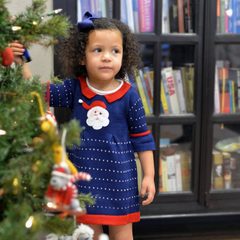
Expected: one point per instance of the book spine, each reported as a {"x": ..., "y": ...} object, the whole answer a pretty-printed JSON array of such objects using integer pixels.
[
  {"x": 85, "y": 5},
  {"x": 136, "y": 16},
  {"x": 224, "y": 90},
  {"x": 185, "y": 88},
  {"x": 150, "y": 81},
  {"x": 172, "y": 90},
  {"x": 173, "y": 15},
  {"x": 141, "y": 93},
  {"x": 185, "y": 171},
  {"x": 146, "y": 91},
  {"x": 236, "y": 16},
  {"x": 190, "y": 15},
  {"x": 165, "y": 17},
  {"x": 217, "y": 170},
  {"x": 79, "y": 10},
  {"x": 163, "y": 100},
  {"x": 190, "y": 83},
  {"x": 238, "y": 90},
  {"x": 160, "y": 185},
  {"x": 216, "y": 92},
  {"x": 226, "y": 170},
  {"x": 93, "y": 6},
  {"x": 98, "y": 8},
  {"x": 230, "y": 18},
  {"x": 129, "y": 6},
  {"x": 103, "y": 6},
  {"x": 218, "y": 16},
  {"x": 233, "y": 93},
  {"x": 180, "y": 16},
  {"x": 171, "y": 173},
  {"x": 230, "y": 96},
  {"x": 178, "y": 172},
  {"x": 164, "y": 174},
  {"x": 148, "y": 88},
  {"x": 124, "y": 17},
  {"x": 222, "y": 24},
  {"x": 166, "y": 91},
  {"x": 179, "y": 84},
  {"x": 146, "y": 15}
]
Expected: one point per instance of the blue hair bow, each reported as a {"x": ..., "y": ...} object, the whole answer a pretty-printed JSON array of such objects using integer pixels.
[{"x": 87, "y": 21}]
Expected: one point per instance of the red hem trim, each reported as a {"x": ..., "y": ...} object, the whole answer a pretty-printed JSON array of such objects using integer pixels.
[
  {"x": 139, "y": 134},
  {"x": 109, "y": 97},
  {"x": 109, "y": 220}
]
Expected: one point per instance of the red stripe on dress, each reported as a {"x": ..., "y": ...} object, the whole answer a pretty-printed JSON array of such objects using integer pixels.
[
  {"x": 139, "y": 134},
  {"x": 109, "y": 220}
]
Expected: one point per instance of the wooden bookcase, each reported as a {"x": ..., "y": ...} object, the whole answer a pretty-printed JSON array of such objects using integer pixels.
[{"x": 199, "y": 204}]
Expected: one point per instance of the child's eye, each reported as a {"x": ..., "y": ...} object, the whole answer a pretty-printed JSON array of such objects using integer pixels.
[
  {"x": 97, "y": 50},
  {"x": 115, "y": 51}
]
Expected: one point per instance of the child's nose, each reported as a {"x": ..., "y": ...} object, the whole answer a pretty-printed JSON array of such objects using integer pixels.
[{"x": 106, "y": 56}]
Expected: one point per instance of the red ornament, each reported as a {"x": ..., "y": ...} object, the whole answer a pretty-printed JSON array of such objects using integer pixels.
[{"x": 7, "y": 56}]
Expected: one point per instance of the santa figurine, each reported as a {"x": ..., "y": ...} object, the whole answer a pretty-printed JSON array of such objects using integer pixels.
[
  {"x": 62, "y": 191},
  {"x": 97, "y": 116}
]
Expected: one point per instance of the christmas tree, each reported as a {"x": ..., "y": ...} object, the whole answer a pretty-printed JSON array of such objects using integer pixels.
[{"x": 27, "y": 137}]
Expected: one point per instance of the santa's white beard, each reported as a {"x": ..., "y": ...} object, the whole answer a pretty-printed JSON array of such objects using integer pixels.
[{"x": 97, "y": 122}]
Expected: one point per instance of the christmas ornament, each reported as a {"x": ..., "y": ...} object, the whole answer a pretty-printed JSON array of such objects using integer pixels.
[
  {"x": 62, "y": 193},
  {"x": 7, "y": 57}
]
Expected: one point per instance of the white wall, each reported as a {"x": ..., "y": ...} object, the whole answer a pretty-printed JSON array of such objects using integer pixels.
[{"x": 42, "y": 57}]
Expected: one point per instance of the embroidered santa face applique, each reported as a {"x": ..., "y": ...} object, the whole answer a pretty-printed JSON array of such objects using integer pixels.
[{"x": 97, "y": 115}]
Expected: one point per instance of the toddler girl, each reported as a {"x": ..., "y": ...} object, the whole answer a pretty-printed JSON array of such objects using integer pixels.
[{"x": 97, "y": 55}]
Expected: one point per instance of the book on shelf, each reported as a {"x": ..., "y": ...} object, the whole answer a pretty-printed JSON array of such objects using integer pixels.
[
  {"x": 147, "y": 71},
  {"x": 164, "y": 104},
  {"x": 224, "y": 90},
  {"x": 146, "y": 15},
  {"x": 216, "y": 90},
  {"x": 129, "y": 9},
  {"x": 160, "y": 184},
  {"x": 171, "y": 173},
  {"x": 186, "y": 89},
  {"x": 189, "y": 74},
  {"x": 180, "y": 16},
  {"x": 185, "y": 170},
  {"x": 178, "y": 171},
  {"x": 147, "y": 96},
  {"x": 136, "y": 16},
  {"x": 165, "y": 17},
  {"x": 227, "y": 170},
  {"x": 234, "y": 75},
  {"x": 222, "y": 16},
  {"x": 217, "y": 170},
  {"x": 181, "y": 98},
  {"x": 165, "y": 184},
  {"x": 231, "y": 96},
  {"x": 218, "y": 16},
  {"x": 124, "y": 17},
  {"x": 172, "y": 90},
  {"x": 173, "y": 15},
  {"x": 166, "y": 92},
  {"x": 141, "y": 93},
  {"x": 149, "y": 84}
]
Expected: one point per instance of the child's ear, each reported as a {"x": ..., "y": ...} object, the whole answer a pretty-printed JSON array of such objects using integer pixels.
[{"x": 82, "y": 62}]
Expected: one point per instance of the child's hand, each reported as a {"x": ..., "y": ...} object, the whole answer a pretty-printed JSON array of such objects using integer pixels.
[
  {"x": 18, "y": 51},
  {"x": 148, "y": 186}
]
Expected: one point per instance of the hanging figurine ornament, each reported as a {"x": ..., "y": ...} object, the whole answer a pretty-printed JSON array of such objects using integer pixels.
[
  {"x": 7, "y": 57},
  {"x": 62, "y": 193}
]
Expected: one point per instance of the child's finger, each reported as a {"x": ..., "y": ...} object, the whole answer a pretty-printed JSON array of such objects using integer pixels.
[{"x": 149, "y": 199}]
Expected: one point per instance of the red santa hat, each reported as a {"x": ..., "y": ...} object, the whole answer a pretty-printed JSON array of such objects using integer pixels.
[
  {"x": 93, "y": 104},
  {"x": 60, "y": 171}
]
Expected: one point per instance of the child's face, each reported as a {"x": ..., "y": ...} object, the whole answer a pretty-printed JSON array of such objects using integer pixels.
[{"x": 104, "y": 53}]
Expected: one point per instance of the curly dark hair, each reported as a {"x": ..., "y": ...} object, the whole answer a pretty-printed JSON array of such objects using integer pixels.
[{"x": 72, "y": 51}]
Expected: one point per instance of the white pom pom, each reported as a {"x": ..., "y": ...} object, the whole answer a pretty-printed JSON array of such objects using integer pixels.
[
  {"x": 88, "y": 178},
  {"x": 103, "y": 236},
  {"x": 80, "y": 101}
]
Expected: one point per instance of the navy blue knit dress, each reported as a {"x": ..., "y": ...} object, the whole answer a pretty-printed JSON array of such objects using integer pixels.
[{"x": 115, "y": 128}]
